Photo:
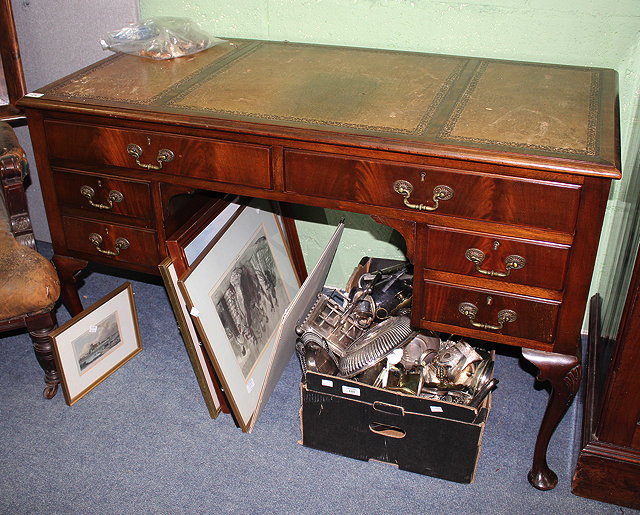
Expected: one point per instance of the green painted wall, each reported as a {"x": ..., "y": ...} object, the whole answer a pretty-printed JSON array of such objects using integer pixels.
[{"x": 601, "y": 33}]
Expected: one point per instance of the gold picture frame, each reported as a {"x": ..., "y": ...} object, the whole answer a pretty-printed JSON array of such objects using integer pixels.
[{"x": 96, "y": 342}]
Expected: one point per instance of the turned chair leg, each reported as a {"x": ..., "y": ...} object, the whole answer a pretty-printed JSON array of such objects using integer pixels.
[
  {"x": 39, "y": 329},
  {"x": 563, "y": 372}
]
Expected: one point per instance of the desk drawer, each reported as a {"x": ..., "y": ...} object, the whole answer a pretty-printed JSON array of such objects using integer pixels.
[
  {"x": 97, "y": 195},
  {"x": 518, "y": 261},
  {"x": 111, "y": 242},
  {"x": 517, "y": 201},
  {"x": 215, "y": 160},
  {"x": 535, "y": 319}
]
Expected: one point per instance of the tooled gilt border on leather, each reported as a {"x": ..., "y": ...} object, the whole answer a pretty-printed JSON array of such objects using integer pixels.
[
  {"x": 150, "y": 101},
  {"x": 417, "y": 130},
  {"x": 592, "y": 146}
]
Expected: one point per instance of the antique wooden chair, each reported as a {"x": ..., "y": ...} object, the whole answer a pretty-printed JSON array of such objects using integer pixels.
[{"x": 29, "y": 285}]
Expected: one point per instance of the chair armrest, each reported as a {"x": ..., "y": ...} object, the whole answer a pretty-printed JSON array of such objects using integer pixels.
[{"x": 13, "y": 170}]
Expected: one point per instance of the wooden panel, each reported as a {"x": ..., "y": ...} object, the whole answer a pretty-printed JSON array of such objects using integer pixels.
[
  {"x": 607, "y": 470},
  {"x": 548, "y": 205},
  {"x": 135, "y": 203},
  {"x": 215, "y": 160},
  {"x": 143, "y": 249},
  {"x": 536, "y": 318},
  {"x": 545, "y": 263}
]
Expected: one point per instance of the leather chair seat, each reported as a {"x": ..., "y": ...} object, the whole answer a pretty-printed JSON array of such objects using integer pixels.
[{"x": 28, "y": 281}]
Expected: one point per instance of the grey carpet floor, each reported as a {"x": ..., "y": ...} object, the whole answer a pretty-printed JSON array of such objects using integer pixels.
[{"x": 143, "y": 442}]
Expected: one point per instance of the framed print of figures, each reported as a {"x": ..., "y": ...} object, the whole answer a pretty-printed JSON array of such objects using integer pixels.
[
  {"x": 237, "y": 292},
  {"x": 95, "y": 343}
]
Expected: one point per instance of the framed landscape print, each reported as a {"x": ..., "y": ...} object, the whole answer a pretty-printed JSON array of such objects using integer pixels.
[
  {"x": 237, "y": 292},
  {"x": 95, "y": 343}
]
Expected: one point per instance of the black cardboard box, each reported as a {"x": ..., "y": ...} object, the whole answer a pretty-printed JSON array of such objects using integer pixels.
[
  {"x": 350, "y": 418},
  {"x": 417, "y": 434}
]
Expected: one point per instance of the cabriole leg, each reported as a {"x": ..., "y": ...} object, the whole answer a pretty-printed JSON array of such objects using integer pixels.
[{"x": 563, "y": 372}]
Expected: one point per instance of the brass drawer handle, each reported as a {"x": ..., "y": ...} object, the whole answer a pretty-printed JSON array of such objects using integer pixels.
[
  {"x": 405, "y": 188},
  {"x": 470, "y": 310},
  {"x": 164, "y": 156},
  {"x": 512, "y": 262},
  {"x": 121, "y": 244},
  {"x": 114, "y": 196}
]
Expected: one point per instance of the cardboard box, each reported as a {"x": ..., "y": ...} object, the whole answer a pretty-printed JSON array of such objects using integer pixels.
[{"x": 417, "y": 434}]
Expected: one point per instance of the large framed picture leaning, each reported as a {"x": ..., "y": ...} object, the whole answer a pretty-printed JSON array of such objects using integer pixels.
[{"x": 236, "y": 291}]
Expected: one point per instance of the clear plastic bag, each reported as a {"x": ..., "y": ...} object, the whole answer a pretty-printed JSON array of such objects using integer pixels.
[{"x": 160, "y": 38}]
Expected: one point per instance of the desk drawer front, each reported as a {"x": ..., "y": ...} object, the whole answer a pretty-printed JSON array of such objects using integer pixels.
[
  {"x": 97, "y": 195},
  {"x": 216, "y": 160},
  {"x": 517, "y": 261},
  {"x": 474, "y": 196},
  {"x": 535, "y": 319},
  {"x": 111, "y": 242}
]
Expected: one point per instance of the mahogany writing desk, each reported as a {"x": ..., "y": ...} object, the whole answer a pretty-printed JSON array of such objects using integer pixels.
[{"x": 496, "y": 173}]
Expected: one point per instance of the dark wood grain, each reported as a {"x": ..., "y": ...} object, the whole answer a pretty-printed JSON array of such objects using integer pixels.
[
  {"x": 214, "y": 160},
  {"x": 476, "y": 196},
  {"x": 135, "y": 206},
  {"x": 608, "y": 465},
  {"x": 534, "y": 327},
  {"x": 545, "y": 263},
  {"x": 563, "y": 373},
  {"x": 142, "y": 253}
]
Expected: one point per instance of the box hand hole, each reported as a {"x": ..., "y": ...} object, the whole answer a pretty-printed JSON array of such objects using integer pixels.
[
  {"x": 387, "y": 430},
  {"x": 389, "y": 409}
]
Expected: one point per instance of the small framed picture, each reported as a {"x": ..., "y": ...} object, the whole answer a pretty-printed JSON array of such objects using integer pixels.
[
  {"x": 97, "y": 342},
  {"x": 237, "y": 292}
]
